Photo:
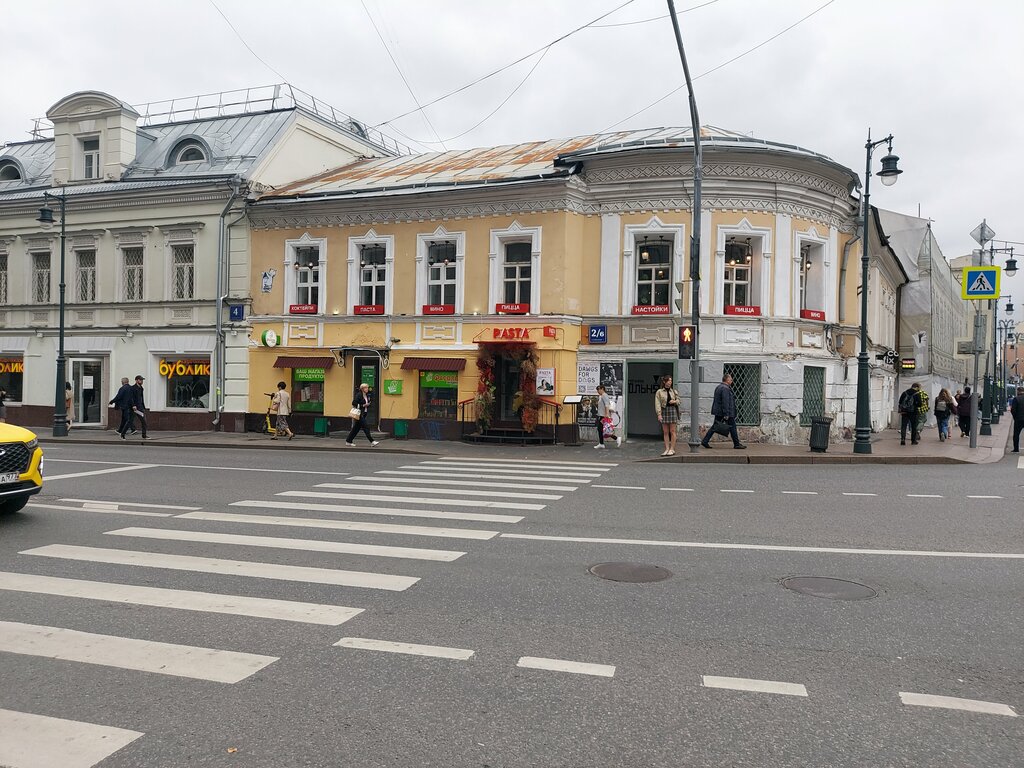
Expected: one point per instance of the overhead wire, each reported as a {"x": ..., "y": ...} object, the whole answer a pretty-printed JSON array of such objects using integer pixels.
[
  {"x": 719, "y": 66},
  {"x": 654, "y": 18},
  {"x": 247, "y": 46}
]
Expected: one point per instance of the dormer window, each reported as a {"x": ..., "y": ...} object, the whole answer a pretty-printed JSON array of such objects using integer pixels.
[
  {"x": 9, "y": 171},
  {"x": 190, "y": 153},
  {"x": 91, "y": 158}
]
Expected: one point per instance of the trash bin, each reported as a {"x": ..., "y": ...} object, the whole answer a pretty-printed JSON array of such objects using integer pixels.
[
  {"x": 320, "y": 426},
  {"x": 820, "y": 427},
  {"x": 401, "y": 429}
]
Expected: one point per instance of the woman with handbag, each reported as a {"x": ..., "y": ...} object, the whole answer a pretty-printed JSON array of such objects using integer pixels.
[
  {"x": 605, "y": 411},
  {"x": 360, "y": 407},
  {"x": 666, "y": 405}
]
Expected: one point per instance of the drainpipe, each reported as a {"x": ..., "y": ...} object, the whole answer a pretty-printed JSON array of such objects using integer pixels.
[
  {"x": 842, "y": 278},
  {"x": 223, "y": 255}
]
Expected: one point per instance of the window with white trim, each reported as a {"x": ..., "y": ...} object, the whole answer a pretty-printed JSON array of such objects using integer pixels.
[
  {"x": 9, "y": 171},
  {"x": 132, "y": 273},
  {"x": 373, "y": 274},
  {"x": 183, "y": 278},
  {"x": 736, "y": 284},
  {"x": 811, "y": 276},
  {"x": 41, "y": 278},
  {"x": 307, "y": 275},
  {"x": 85, "y": 276},
  {"x": 3, "y": 278},
  {"x": 442, "y": 275},
  {"x": 190, "y": 153},
  {"x": 517, "y": 274},
  {"x": 653, "y": 272},
  {"x": 91, "y": 158}
]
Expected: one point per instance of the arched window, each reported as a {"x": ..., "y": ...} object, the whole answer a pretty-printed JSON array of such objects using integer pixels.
[
  {"x": 190, "y": 153},
  {"x": 9, "y": 171}
]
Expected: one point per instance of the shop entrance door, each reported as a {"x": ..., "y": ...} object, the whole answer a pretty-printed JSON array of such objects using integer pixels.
[
  {"x": 507, "y": 383},
  {"x": 367, "y": 371},
  {"x": 642, "y": 381},
  {"x": 88, "y": 389}
]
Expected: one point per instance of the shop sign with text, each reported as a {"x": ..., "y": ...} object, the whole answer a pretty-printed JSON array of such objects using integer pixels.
[
  {"x": 302, "y": 309},
  {"x": 438, "y": 309},
  {"x": 742, "y": 310},
  {"x": 644, "y": 309},
  {"x": 368, "y": 309},
  {"x": 307, "y": 374},
  {"x": 812, "y": 314},
  {"x": 511, "y": 334},
  {"x": 512, "y": 309},
  {"x": 12, "y": 366},
  {"x": 171, "y": 368}
]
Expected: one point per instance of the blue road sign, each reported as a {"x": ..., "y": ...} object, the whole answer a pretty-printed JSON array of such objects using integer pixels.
[
  {"x": 598, "y": 334},
  {"x": 980, "y": 283}
]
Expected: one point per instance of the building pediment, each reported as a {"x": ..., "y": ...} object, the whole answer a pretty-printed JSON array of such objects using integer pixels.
[{"x": 88, "y": 103}]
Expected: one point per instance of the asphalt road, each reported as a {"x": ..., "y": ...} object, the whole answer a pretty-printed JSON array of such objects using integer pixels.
[{"x": 206, "y": 631}]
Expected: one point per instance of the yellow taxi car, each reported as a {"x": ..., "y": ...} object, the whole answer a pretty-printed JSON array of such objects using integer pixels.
[{"x": 21, "y": 467}]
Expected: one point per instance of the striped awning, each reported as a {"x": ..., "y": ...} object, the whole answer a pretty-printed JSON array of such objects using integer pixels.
[
  {"x": 285, "y": 361},
  {"x": 434, "y": 364}
]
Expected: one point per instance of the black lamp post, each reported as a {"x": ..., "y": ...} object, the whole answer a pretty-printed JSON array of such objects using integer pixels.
[
  {"x": 989, "y": 409},
  {"x": 1005, "y": 334},
  {"x": 888, "y": 175},
  {"x": 60, "y": 413}
]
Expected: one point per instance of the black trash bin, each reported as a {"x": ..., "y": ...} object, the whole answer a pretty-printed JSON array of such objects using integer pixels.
[{"x": 820, "y": 427}]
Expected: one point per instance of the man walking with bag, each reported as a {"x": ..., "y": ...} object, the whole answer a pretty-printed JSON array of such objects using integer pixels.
[
  {"x": 910, "y": 407},
  {"x": 723, "y": 408},
  {"x": 139, "y": 404}
]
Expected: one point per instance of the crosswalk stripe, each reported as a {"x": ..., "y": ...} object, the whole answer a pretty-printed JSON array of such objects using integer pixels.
[
  {"x": 1020, "y": 463},
  {"x": 72, "y": 475},
  {"x": 226, "y": 567},
  {"x": 478, "y": 475},
  {"x": 159, "y": 597},
  {"x": 455, "y": 491},
  {"x": 512, "y": 469},
  {"x": 304, "y": 545},
  {"x": 128, "y": 653},
  {"x": 406, "y": 500},
  {"x": 133, "y": 504},
  {"x": 434, "y": 514},
  {"x": 537, "y": 462},
  {"x": 560, "y": 665},
  {"x": 102, "y": 510},
  {"x": 387, "y": 646},
  {"x": 755, "y": 686},
  {"x": 37, "y": 741},
  {"x": 952, "y": 702},
  {"x": 338, "y": 525},
  {"x": 409, "y": 478}
]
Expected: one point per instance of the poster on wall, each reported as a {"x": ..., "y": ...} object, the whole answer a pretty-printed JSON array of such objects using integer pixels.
[
  {"x": 613, "y": 377},
  {"x": 588, "y": 376},
  {"x": 546, "y": 382}
]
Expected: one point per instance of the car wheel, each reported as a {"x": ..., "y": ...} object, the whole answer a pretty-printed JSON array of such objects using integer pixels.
[{"x": 11, "y": 506}]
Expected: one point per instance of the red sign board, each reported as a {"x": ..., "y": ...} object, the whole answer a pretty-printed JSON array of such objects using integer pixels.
[
  {"x": 438, "y": 309},
  {"x": 512, "y": 309},
  {"x": 742, "y": 310},
  {"x": 550, "y": 332},
  {"x": 368, "y": 309},
  {"x": 302, "y": 309},
  {"x": 644, "y": 309},
  {"x": 812, "y": 314},
  {"x": 511, "y": 334}
]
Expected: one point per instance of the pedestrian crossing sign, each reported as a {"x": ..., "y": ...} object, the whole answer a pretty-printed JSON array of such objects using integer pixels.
[{"x": 980, "y": 283}]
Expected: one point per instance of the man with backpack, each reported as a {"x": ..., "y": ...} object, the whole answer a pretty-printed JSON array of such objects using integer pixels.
[
  {"x": 922, "y": 409},
  {"x": 910, "y": 405}
]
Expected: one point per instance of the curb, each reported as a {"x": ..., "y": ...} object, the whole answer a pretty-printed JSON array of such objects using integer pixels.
[{"x": 255, "y": 445}]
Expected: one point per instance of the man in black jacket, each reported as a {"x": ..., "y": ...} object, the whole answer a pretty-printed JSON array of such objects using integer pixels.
[
  {"x": 723, "y": 408},
  {"x": 1017, "y": 411},
  {"x": 139, "y": 404},
  {"x": 123, "y": 402},
  {"x": 910, "y": 405}
]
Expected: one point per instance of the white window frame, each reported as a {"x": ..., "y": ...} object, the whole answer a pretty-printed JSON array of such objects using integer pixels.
[
  {"x": 633, "y": 237},
  {"x": 174, "y": 270},
  {"x": 355, "y": 272},
  {"x": 141, "y": 269},
  {"x": 819, "y": 248},
  {"x": 515, "y": 233},
  {"x": 423, "y": 267},
  {"x": 5, "y": 293},
  {"x": 32, "y": 277},
  {"x": 77, "y": 293},
  {"x": 291, "y": 281},
  {"x": 373, "y": 277},
  {"x": 729, "y": 284},
  {"x": 761, "y": 274},
  {"x": 96, "y": 155},
  {"x": 178, "y": 160}
]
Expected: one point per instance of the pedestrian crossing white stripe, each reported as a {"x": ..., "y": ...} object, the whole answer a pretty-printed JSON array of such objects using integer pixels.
[
  {"x": 479, "y": 517},
  {"x": 407, "y": 500},
  {"x": 340, "y": 525},
  {"x": 1020, "y": 463},
  {"x": 455, "y": 491},
  {"x": 984, "y": 497},
  {"x": 408, "y": 478},
  {"x": 445, "y": 468},
  {"x": 537, "y": 462},
  {"x": 226, "y": 567},
  {"x": 37, "y": 741},
  {"x": 478, "y": 476},
  {"x": 437, "y": 651},
  {"x": 132, "y": 504},
  {"x": 128, "y": 468},
  {"x": 128, "y": 653},
  {"x": 158, "y": 597},
  {"x": 756, "y": 686},
  {"x": 560, "y": 665},
  {"x": 137, "y": 513},
  {"x": 304, "y": 545},
  {"x": 952, "y": 702},
  {"x": 517, "y": 468}
]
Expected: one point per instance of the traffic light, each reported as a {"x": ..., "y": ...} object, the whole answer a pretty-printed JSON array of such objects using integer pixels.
[
  {"x": 679, "y": 302},
  {"x": 687, "y": 342}
]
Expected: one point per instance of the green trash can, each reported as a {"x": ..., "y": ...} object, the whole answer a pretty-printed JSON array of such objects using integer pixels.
[
  {"x": 401, "y": 429},
  {"x": 320, "y": 426}
]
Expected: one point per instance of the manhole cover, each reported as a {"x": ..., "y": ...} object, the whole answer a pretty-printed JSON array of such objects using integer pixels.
[
  {"x": 634, "y": 573},
  {"x": 833, "y": 589}
]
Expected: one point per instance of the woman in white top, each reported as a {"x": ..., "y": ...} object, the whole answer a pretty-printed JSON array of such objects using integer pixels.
[
  {"x": 605, "y": 409},
  {"x": 282, "y": 404}
]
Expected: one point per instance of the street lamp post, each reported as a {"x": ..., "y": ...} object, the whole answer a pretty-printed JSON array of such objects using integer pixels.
[
  {"x": 989, "y": 411},
  {"x": 1005, "y": 332},
  {"x": 60, "y": 413},
  {"x": 888, "y": 175}
]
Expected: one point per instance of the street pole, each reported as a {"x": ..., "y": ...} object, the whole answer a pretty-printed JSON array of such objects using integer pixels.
[
  {"x": 694, "y": 242},
  {"x": 60, "y": 413},
  {"x": 979, "y": 325}
]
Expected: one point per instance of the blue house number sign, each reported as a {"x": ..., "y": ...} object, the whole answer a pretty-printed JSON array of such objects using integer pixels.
[{"x": 599, "y": 334}]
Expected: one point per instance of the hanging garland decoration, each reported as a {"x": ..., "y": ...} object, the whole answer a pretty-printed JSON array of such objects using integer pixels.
[
  {"x": 484, "y": 399},
  {"x": 526, "y": 402}
]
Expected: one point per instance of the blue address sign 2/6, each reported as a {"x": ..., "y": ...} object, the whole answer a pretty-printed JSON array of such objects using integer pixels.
[{"x": 598, "y": 334}]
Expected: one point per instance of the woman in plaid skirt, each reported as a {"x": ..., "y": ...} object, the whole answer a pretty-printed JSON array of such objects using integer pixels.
[{"x": 666, "y": 405}]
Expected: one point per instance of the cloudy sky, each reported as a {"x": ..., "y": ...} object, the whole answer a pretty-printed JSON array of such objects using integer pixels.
[{"x": 944, "y": 77}]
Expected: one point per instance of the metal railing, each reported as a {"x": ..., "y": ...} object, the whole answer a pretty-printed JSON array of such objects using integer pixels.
[{"x": 544, "y": 431}]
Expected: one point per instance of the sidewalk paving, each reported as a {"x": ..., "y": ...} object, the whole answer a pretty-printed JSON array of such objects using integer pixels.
[{"x": 885, "y": 448}]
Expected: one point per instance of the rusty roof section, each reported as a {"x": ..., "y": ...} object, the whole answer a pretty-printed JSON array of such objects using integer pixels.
[{"x": 509, "y": 163}]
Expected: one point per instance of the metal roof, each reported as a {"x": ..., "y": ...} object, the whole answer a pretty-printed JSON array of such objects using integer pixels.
[
  {"x": 515, "y": 162},
  {"x": 74, "y": 190}
]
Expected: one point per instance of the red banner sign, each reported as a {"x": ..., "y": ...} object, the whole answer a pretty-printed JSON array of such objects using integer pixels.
[
  {"x": 512, "y": 309},
  {"x": 438, "y": 309},
  {"x": 302, "y": 309},
  {"x": 368, "y": 309},
  {"x": 742, "y": 310},
  {"x": 644, "y": 309},
  {"x": 550, "y": 332},
  {"x": 812, "y": 314},
  {"x": 511, "y": 334}
]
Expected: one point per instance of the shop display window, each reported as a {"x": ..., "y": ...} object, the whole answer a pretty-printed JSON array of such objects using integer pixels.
[
  {"x": 308, "y": 390},
  {"x": 11, "y": 376},
  {"x": 187, "y": 382},
  {"x": 439, "y": 395}
]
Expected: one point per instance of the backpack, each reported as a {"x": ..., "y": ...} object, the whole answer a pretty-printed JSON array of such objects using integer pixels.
[
  {"x": 907, "y": 402},
  {"x": 941, "y": 406}
]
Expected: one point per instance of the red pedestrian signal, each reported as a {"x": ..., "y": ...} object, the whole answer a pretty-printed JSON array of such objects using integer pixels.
[{"x": 687, "y": 342}]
